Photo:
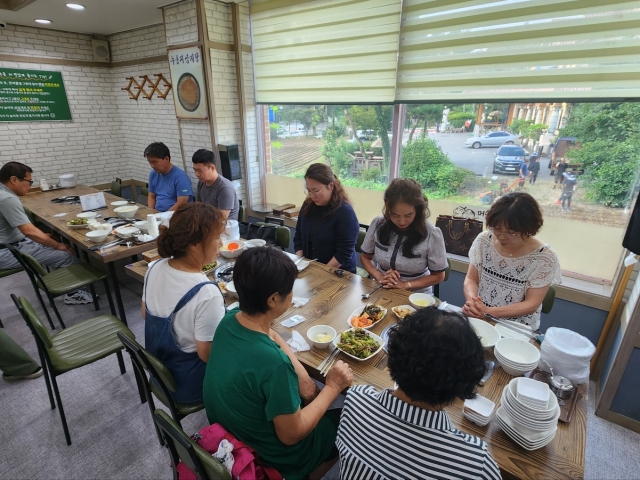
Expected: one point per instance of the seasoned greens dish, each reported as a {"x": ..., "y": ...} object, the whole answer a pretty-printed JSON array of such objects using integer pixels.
[
  {"x": 209, "y": 266},
  {"x": 358, "y": 343},
  {"x": 78, "y": 221}
]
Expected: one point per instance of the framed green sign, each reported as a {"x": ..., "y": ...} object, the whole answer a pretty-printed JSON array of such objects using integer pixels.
[{"x": 32, "y": 96}]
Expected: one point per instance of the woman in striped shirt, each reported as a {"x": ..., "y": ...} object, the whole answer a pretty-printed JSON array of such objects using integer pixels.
[{"x": 434, "y": 358}]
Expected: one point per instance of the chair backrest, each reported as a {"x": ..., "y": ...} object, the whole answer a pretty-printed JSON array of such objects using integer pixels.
[
  {"x": 360, "y": 240},
  {"x": 242, "y": 214},
  {"x": 156, "y": 369},
  {"x": 277, "y": 221},
  {"x": 30, "y": 265},
  {"x": 34, "y": 323},
  {"x": 181, "y": 447},
  {"x": 447, "y": 272},
  {"x": 144, "y": 191},
  {"x": 142, "y": 200},
  {"x": 547, "y": 303},
  {"x": 116, "y": 188},
  {"x": 283, "y": 237}
]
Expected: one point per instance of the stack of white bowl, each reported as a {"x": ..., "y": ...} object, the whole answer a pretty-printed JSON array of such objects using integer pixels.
[
  {"x": 479, "y": 410},
  {"x": 516, "y": 356},
  {"x": 530, "y": 427}
]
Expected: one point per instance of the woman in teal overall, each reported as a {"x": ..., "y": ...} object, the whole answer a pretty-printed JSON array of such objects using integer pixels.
[{"x": 181, "y": 307}]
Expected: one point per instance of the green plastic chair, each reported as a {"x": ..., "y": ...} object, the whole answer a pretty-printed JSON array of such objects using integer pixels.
[
  {"x": 242, "y": 214},
  {"x": 144, "y": 191},
  {"x": 447, "y": 272},
  {"x": 181, "y": 447},
  {"x": 62, "y": 281},
  {"x": 549, "y": 298},
  {"x": 6, "y": 273},
  {"x": 283, "y": 234},
  {"x": 359, "y": 270},
  {"x": 116, "y": 188},
  {"x": 159, "y": 383},
  {"x": 73, "y": 347}
]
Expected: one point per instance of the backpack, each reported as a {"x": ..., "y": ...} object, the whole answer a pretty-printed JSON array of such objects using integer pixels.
[{"x": 246, "y": 465}]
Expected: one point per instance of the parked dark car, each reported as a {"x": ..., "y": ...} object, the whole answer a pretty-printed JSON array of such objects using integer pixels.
[{"x": 509, "y": 158}]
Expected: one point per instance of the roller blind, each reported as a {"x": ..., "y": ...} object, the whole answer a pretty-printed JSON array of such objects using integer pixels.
[
  {"x": 518, "y": 50},
  {"x": 325, "y": 51}
]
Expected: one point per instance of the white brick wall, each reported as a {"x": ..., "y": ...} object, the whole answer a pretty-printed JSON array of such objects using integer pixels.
[
  {"x": 181, "y": 23},
  {"x": 245, "y": 23},
  {"x": 39, "y": 42},
  {"x": 140, "y": 43},
  {"x": 219, "y": 21}
]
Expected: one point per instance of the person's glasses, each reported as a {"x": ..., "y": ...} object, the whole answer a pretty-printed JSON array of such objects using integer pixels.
[
  {"x": 25, "y": 180},
  {"x": 312, "y": 191},
  {"x": 503, "y": 234}
]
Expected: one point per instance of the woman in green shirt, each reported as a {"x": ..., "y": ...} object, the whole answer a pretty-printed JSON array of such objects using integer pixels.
[{"x": 255, "y": 386}]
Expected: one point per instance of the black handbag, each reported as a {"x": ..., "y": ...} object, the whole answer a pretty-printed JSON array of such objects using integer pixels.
[
  {"x": 458, "y": 233},
  {"x": 263, "y": 231}
]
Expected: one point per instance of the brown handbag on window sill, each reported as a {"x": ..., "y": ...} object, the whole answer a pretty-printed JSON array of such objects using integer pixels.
[{"x": 458, "y": 233}]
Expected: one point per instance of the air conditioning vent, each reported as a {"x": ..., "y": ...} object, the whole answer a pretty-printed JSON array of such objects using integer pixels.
[{"x": 100, "y": 50}]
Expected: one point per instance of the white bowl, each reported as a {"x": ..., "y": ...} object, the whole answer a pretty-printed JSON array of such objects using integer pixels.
[
  {"x": 226, "y": 253},
  {"x": 321, "y": 329},
  {"x": 540, "y": 413},
  {"x": 372, "y": 335},
  {"x": 408, "y": 307},
  {"x": 100, "y": 226},
  {"x": 532, "y": 392},
  {"x": 126, "y": 231},
  {"x": 142, "y": 226},
  {"x": 421, "y": 300},
  {"x": 87, "y": 215},
  {"x": 256, "y": 242},
  {"x": 128, "y": 211},
  {"x": 119, "y": 203},
  {"x": 480, "y": 406},
  {"x": 359, "y": 310},
  {"x": 97, "y": 236},
  {"x": 488, "y": 332},
  {"x": 517, "y": 351}
]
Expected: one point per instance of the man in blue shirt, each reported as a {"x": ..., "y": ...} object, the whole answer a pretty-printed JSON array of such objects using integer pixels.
[{"x": 169, "y": 187}]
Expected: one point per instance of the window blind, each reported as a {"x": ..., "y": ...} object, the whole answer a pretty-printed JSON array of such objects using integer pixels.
[
  {"x": 325, "y": 51},
  {"x": 452, "y": 50}
]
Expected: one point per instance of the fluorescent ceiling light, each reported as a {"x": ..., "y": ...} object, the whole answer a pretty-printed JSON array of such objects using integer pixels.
[
  {"x": 42, "y": 20},
  {"x": 75, "y": 6}
]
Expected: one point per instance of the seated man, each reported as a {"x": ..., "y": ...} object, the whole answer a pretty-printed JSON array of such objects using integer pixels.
[
  {"x": 169, "y": 187},
  {"x": 434, "y": 357},
  {"x": 16, "y": 229},
  {"x": 212, "y": 187}
]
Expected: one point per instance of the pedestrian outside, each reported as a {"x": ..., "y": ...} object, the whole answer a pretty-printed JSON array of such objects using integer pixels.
[
  {"x": 534, "y": 169},
  {"x": 561, "y": 167},
  {"x": 568, "y": 187}
]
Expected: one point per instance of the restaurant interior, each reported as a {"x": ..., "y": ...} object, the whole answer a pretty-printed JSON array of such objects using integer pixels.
[{"x": 226, "y": 76}]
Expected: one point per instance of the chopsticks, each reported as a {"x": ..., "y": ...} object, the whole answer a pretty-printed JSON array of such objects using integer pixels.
[
  {"x": 328, "y": 362},
  {"x": 516, "y": 327}
]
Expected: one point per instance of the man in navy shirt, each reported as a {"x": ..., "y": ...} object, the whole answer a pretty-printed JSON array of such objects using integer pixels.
[{"x": 169, "y": 187}]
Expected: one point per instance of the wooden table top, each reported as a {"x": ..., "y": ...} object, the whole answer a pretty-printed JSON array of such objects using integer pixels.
[
  {"x": 332, "y": 299},
  {"x": 40, "y": 204}
]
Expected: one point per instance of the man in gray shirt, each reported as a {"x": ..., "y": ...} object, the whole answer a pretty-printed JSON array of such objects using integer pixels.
[
  {"x": 16, "y": 228},
  {"x": 212, "y": 187}
]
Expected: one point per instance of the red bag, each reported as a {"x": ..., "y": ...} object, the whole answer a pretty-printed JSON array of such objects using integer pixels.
[{"x": 246, "y": 464}]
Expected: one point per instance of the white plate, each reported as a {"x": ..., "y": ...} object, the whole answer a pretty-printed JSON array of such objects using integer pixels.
[
  {"x": 358, "y": 311},
  {"x": 528, "y": 442},
  {"x": 506, "y": 332},
  {"x": 302, "y": 264},
  {"x": 408, "y": 307},
  {"x": 77, "y": 227},
  {"x": 372, "y": 335},
  {"x": 525, "y": 420}
]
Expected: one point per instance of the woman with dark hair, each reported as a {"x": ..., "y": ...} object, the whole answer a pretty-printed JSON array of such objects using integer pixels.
[
  {"x": 181, "y": 307},
  {"x": 510, "y": 271},
  {"x": 255, "y": 385},
  {"x": 401, "y": 248},
  {"x": 434, "y": 357},
  {"x": 327, "y": 227}
]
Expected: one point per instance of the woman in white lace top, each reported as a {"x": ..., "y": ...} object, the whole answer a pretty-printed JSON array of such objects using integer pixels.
[{"x": 510, "y": 270}]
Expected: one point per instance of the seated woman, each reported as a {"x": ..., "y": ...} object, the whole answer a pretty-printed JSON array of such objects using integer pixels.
[
  {"x": 434, "y": 357},
  {"x": 327, "y": 227},
  {"x": 254, "y": 383},
  {"x": 181, "y": 307},
  {"x": 401, "y": 248},
  {"x": 510, "y": 270}
]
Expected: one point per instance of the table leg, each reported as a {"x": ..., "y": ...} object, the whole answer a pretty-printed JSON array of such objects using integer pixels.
[{"x": 116, "y": 287}]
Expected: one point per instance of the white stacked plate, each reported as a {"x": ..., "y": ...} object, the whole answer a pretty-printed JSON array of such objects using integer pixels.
[
  {"x": 479, "y": 410},
  {"x": 530, "y": 427},
  {"x": 516, "y": 356},
  {"x": 533, "y": 393}
]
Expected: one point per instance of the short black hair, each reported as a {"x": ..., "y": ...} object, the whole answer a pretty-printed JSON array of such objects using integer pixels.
[
  {"x": 435, "y": 357},
  {"x": 157, "y": 150},
  {"x": 204, "y": 156},
  {"x": 14, "y": 169},
  {"x": 517, "y": 211},
  {"x": 260, "y": 272}
]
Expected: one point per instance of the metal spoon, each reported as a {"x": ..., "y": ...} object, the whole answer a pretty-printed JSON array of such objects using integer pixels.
[{"x": 367, "y": 295}]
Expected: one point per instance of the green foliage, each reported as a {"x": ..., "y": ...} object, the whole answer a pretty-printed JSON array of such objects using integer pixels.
[
  {"x": 609, "y": 135},
  {"x": 364, "y": 117},
  {"x": 374, "y": 173},
  {"x": 534, "y": 131},
  {"x": 359, "y": 183},
  {"x": 519, "y": 125},
  {"x": 336, "y": 149},
  {"x": 308, "y": 115},
  {"x": 458, "y": 119},
  {"x": 423, "y": 161}
]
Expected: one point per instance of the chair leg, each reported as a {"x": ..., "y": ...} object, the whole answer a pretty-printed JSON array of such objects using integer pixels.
[
  {"x": 436, "y": 290},
  {"x": 1, "y": 325},
  {"x": 55, "y": 309},
  {"x": 45, "y": 368},
  {"x": 123, "y": 370},
  {"x": 92, "y": 288},
  {"x": 107, "y": 289},
  {"x": 46, "y": 310},
  {"x": 67, "y": 436}
]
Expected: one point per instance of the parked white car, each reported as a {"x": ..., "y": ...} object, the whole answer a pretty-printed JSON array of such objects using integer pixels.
[{"x": 492, "y": 139}]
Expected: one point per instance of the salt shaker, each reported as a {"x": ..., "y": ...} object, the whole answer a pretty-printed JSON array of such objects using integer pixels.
[{"x": 152, "y": 225}]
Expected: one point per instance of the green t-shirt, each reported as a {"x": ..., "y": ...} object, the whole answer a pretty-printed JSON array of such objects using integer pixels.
[{"x": 250, "y": 381}]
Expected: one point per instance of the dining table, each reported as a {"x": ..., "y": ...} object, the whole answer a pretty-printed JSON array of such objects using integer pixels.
[
  {"x": 330, "y": 297},
  {"x": 57, "y": 215}
]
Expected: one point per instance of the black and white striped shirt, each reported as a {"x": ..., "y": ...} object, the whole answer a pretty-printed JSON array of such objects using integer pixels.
[{"x": 383, "y": 438}]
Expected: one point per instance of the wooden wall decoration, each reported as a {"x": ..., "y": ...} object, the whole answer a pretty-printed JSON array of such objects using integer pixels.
[{"x": 139, "y": 88}]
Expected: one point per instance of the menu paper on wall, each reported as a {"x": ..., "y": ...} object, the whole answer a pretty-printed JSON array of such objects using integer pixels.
[
  {"x": 93, "y": 201},
  {"x": 32, "y": 96}
]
